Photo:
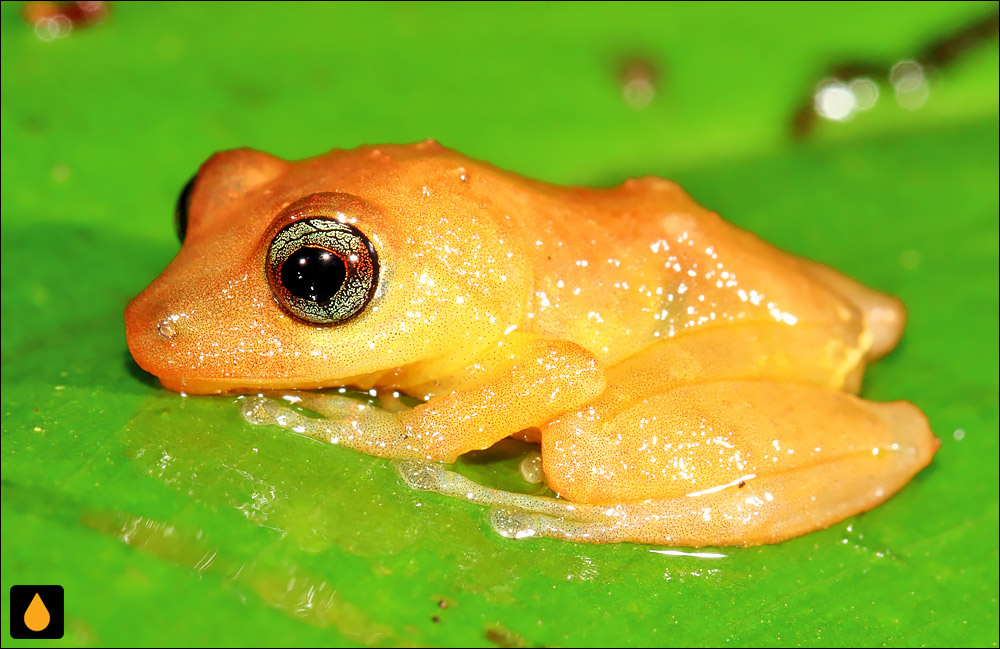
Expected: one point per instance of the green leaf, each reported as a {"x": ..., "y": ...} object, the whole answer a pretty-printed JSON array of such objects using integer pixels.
[{"x": 169, "y": 520}]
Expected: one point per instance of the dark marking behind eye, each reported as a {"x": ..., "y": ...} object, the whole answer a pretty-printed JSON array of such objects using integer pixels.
[{"x": 183, "y": 207}]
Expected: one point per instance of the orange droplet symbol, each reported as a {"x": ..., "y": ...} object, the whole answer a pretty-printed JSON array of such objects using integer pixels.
[{"x": 36, "y": 617}]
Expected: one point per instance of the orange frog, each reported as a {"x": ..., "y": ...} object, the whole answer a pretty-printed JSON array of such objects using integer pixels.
[{"x": 688, "y": 383}]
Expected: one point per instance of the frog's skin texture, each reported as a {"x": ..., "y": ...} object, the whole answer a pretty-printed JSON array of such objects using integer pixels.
[{"x": 688, "y": 383}]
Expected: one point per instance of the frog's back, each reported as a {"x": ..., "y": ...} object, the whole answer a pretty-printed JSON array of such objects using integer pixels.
[{"x": 619, "y": 269}]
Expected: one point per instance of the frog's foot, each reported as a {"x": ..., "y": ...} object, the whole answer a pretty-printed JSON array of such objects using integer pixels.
[
  {"x": 517, "y": 516},
  {"x": 344, "y": 422}
]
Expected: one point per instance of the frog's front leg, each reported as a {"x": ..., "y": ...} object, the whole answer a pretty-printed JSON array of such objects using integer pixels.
[
  {"x": 520, "y": 382},
  {"x": 344, "y": 422}
]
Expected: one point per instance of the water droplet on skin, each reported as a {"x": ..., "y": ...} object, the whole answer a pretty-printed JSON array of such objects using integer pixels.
[
  {"x": 166, "y": 330},
  {"x": 36, "y": 617}
]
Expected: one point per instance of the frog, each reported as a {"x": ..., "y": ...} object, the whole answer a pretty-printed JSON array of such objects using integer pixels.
[{"x": 685, "y": 382}]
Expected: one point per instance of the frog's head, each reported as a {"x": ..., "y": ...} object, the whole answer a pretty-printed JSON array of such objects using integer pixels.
[{"x": 314, "y": 273}]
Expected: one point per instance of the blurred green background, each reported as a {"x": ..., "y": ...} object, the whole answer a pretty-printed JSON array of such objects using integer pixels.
[{"x": 170, "y": 521}]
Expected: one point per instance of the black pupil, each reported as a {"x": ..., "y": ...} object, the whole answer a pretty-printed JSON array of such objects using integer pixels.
[{"x": 313, "y": 274}]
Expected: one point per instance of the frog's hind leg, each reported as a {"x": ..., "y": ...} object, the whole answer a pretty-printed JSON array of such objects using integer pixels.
[
  {"x": 706, "y": 410},
  {"x": 721, "y": 463},
  {"x": 731, "y": 463}
]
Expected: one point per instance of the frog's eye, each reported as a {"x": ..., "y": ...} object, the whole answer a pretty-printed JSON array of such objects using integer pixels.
[
  {"x": 321, "y": 270},
  {"x": 183, "y": 207}
]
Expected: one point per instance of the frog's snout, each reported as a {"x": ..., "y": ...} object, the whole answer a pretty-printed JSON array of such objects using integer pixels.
[{"x": 147, "y": 333}]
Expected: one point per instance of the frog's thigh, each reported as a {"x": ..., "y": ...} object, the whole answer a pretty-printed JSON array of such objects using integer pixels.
[
  {"x": 735, "y": 462},
  {"x": 817, "y": 354}
]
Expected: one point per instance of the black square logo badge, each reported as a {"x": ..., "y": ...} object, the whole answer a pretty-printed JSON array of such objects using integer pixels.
[{"x": 36, "y": 612}]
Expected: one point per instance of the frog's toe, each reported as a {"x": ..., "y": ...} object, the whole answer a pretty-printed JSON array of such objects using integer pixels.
[
  {"x": 418, "y": 475},
  {"x": 587, "y": 525},
  {"x": 513, "y": 523},
  {"x": 260, "y": 410},
  {"x": 331, "y": 406},
  {"x": 515, "y": 515},
  {"x": 257, "y": 411}
]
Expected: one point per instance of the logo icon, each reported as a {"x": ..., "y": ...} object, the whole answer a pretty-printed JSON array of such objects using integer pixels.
[{"x": 36, "y": 612}]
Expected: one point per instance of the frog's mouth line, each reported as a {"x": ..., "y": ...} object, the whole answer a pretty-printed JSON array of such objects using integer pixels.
[
  {"x": 193, "y": 385},
  {"x": 146, "y": 338}
]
